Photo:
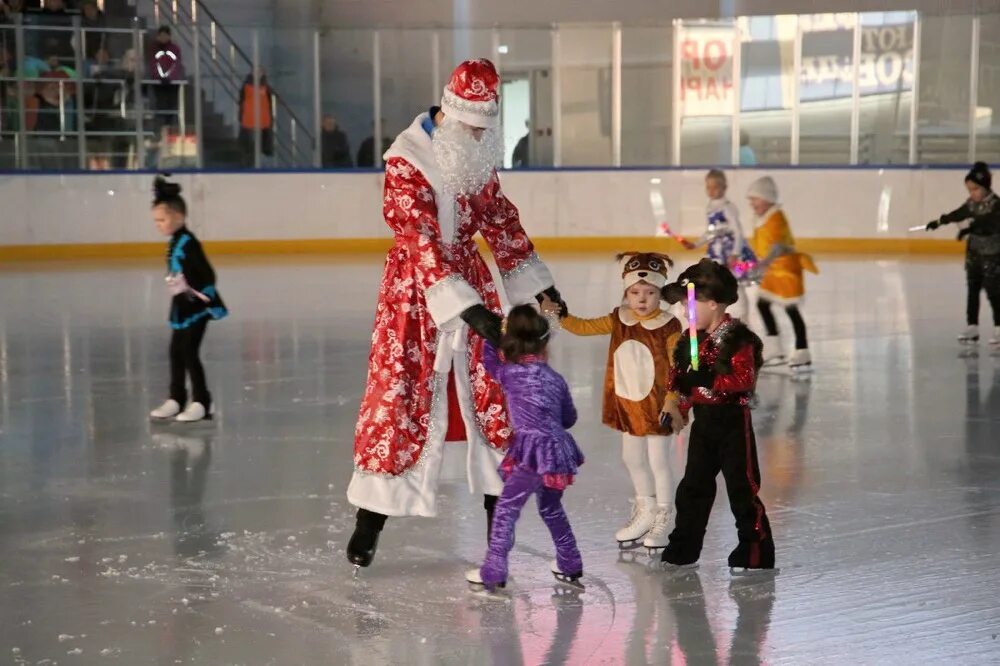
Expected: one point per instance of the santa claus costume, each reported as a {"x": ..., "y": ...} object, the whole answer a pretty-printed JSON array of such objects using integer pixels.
[{"x": 426, "y": 380}]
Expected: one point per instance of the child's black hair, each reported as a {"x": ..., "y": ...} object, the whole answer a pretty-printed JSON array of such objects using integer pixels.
[
  {"x": 168, "y": 194},
  {"x": 711, "y": 280},
  {"x": 526, "y": 333},
  {"x": 980, "y": 175}
]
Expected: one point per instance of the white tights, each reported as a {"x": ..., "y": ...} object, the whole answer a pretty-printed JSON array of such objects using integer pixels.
[{"x": 650, "y": 463}]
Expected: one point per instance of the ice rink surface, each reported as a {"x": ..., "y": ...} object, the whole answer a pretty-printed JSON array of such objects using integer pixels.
[{"x": 126, "y": 542}]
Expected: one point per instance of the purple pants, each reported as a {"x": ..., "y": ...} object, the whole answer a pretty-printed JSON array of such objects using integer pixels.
[{"x": 519, "y": 487}]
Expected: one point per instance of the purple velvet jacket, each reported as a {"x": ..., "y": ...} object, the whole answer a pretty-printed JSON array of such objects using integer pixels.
[{"x": 541, "y": 410}]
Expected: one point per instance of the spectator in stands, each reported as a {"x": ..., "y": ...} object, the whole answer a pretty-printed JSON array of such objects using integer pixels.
[
  {"x": 93, "y": 23},
  {"x": 58, "y": 41},
  {"x": 8, "y": 8},
  {"x": 256, "y": 111},
  {"x": 102, "y": 115},
  {"x": 747, "y": 156},
  {"x": 166, "y": 66},
  {"x": 366, "y": 152},
  {"x": 56, "y": 91},
  {"x": 98, "y": 63},
  {"x": 123, "y": 146},
  {"x": 6, "y": 71},
  {"x": 522, "y": 151},
  {"x": 336, "y": 151}
]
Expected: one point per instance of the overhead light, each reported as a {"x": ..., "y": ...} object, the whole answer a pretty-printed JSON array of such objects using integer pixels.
[
  {"x": 655, "y": 181},
  {"x": 503, "y": 49}
]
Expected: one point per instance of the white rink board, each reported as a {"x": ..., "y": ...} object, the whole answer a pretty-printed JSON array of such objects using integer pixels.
[{"x": 820, "y": 203}]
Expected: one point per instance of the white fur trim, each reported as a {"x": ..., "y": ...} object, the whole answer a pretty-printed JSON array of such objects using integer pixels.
[
  {"x": 415, "y": 493},
  {"x": 526, "y": 280},
  {"x": 780, "y": 300},
  {"x": 416, "y": 147},
  {"x": 483, "y": 459},
  {"x": 485, "y": 115},
  {"x": 629, "y": 318},
  {"x": 448, "y": 298},
  {"x": 652, "y": 277}
]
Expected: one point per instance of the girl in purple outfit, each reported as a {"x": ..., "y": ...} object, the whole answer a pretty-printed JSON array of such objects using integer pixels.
[{"x": 542, "y": 459}]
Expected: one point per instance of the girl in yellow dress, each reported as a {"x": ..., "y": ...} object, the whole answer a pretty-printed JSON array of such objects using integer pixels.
[{"x": 782, "y": 282}]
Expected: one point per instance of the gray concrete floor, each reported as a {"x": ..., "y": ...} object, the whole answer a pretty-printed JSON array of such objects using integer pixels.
[{"x": 122, "y": 542}]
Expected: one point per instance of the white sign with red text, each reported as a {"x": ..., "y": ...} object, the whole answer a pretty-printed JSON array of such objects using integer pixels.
[{"x": 707, "y": 74}]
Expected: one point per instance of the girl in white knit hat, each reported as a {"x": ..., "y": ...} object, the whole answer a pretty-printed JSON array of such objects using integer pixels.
[{"x": 782, "y": 281}]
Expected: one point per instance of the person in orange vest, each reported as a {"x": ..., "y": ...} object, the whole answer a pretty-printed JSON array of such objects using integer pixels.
[{"x": 255, "y": 111}]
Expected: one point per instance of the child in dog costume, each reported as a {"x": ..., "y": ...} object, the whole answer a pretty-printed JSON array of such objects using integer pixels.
[
  {"x": 642, "y": 341},
  {"x": 722, "y": 437}
]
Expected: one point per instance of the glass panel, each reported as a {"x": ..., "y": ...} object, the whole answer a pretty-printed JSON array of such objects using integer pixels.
[
  {"x": 348, "y": 96},
  {"x": 407, "y": 79},
  {"x": 457, "y": 46},
  {"x": 988, "y": 111},
  {"x": 585, "y": 90},
  {"x": 706, "y": 94},
  {"x": 825, "y": 89},
  {"x": 885, "y": 78},
  {"x": 291, "y": 78},
  {"x": 943, "y": 107},
  {"x": 109, "y": 99},
  {"x": 525, "y": 61},
  {"x": 647, "y": 105},
  {"x": 766, "y": 88}
]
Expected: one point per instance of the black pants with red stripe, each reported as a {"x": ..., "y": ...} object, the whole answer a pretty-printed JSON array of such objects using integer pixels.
[{"x": 722, "y": 440}]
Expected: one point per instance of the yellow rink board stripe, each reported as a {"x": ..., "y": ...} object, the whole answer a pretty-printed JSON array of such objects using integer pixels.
[{"x": 603, "y": 245}]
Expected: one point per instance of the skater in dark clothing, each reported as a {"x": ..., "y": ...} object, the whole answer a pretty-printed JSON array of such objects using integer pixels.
[
  {"x": 982, "y": 253},
  {"x": 722, "y": 438},
  {"x": 191, "y": 280}
]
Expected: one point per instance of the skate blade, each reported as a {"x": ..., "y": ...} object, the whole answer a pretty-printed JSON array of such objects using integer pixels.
[
  {"x": 631, "y": 544},
  {"x": 968, "y": 341},
  {"x": 570, "y": 584},
  {"x": 678, "y": 568},
  {"x": 653, "y": 551},
  {"x": 744, "y": 572},
  {"x": 630, "y": 556},
  {"x": 205, "y": 420},
  {"x": 491, "y": 592}
]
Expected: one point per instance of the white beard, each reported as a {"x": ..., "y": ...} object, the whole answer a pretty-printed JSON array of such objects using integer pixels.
[{"x": 465, "y": 165}]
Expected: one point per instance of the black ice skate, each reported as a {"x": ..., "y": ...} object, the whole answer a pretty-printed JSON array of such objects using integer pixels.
[
  {"x": 752, "y": 557},
  {"x": 970, "y": 335},
  {"x": 677, "y": 557},
  {"x": 570, "y": 580},
  {"x": 364, "y": 542},
  {"x": 490, "y": 504}
]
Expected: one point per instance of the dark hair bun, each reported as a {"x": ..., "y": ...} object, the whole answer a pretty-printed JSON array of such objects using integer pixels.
[{"x": 164, "y": 190}]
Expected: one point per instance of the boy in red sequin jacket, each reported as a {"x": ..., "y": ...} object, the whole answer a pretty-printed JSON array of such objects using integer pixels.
[{"x": 722, "y": 438}]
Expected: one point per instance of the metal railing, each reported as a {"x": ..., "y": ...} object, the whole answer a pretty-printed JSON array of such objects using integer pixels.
[{"x": 221, "y": 79}]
